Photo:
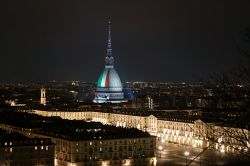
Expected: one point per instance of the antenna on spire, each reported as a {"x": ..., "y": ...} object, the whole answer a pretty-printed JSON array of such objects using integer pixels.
[
  {"x": 109, "y": 60},
  {"x": 109, "y": 37}
]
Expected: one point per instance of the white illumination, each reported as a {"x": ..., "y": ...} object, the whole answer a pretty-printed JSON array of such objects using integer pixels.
[
  {"x": 186, "y": 153},
  {"x": 105, "y": 163},
  {"x": 55, "y": 162}
]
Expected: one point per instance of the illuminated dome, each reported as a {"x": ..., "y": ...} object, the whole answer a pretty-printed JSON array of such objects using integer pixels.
[
  {"x": 109, "y": 79},
  {"x": 109, "y": 86}
]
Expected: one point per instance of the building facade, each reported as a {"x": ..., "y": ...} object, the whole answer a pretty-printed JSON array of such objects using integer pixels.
[
  {"x": 118, "y": 149},
  {"x": 196, "y": 133}
]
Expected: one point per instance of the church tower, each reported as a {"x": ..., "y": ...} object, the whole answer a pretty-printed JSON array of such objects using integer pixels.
[{"x": 43, "y": 96}]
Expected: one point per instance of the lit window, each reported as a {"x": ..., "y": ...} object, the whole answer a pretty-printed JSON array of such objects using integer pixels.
[
  {"x": 47, "y": 147},
  {"x": 10, "y": 143},
  {"x": 35, "y": 147},
  {"x": 42, "y": 147},
  {"x": 10, "y": 149},
  {"x": 5, "y": 143},
  {"x": 90, "y": 143}
]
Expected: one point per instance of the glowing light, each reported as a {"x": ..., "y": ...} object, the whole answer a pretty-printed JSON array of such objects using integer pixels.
[
  {"x": 127, "y": 162},
  {"x": 220, "y": 140},
  {"x": 104, "y": 163},
  {"x": 222, "y": 149},
  {"x": 55, "y": 162},
  {"x": 186, "y": 153},
  {"x": 154, "y": 161}
]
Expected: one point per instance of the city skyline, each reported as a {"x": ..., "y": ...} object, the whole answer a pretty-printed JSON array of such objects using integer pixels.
[{"x": 163, "y": 41}]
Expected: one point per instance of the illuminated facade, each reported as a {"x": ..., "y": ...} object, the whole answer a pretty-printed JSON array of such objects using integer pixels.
[
  {"x": 130, "y": 151},
  {"x": 43, "y": 96},
  {"x": 194, "y": 133},
  {"x": 74, "y": 151},
  {"x": 109, "y": 86}
]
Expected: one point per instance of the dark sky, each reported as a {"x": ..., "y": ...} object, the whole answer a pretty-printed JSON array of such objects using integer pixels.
[{"x": 168, "y": 40}]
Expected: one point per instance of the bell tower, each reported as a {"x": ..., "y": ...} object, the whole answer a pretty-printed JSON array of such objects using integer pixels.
[{"x": 43, "y": 96}]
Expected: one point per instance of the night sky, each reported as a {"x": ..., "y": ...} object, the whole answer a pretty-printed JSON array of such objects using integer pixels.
[{"x": 168, "y": 40}]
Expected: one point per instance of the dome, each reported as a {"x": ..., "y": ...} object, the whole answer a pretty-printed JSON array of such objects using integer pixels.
[
  {"x": 109, "y": 87},
  {"x": 109, "y": 79}
]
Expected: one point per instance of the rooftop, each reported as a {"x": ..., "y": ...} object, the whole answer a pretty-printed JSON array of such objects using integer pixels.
[
  {"x": 16, "y": 139},
  {"x": 68, "y": 129}
]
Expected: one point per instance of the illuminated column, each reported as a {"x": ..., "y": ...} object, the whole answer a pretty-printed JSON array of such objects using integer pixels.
[
  {"x": 43, "y": 96},
  {"x": 150, "y": 103}
]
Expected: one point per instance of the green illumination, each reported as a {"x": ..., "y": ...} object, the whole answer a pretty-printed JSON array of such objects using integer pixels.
[{"x": 102, "y": 78}]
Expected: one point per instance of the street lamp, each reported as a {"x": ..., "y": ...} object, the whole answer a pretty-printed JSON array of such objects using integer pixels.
[
  {"x": 186, "y": 153},
  {"x": 160, "y": 149}
]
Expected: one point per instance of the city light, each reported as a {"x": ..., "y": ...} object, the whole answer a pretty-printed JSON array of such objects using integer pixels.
[
  {"x": 186, "y": 153},
  {"x": 160, "y": 149}
]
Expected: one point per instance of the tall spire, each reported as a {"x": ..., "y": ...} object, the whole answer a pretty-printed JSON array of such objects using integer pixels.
[
  {"x": 109, "y": 49},
  {"x": 109, "y": 60}
]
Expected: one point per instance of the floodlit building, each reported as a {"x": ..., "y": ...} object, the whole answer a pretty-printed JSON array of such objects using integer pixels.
[
  {"x": 109, "y": 152},
  {"x": 80, "y": 143},
  {"x": 109, "y": 86},
  {"x": 170, "y": 127}
]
